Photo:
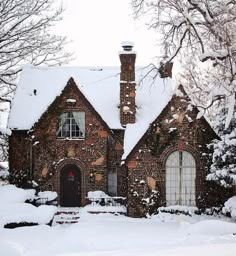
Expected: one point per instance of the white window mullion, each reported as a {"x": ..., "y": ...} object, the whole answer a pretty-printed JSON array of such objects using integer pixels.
[{"x": 70, "y": 127}]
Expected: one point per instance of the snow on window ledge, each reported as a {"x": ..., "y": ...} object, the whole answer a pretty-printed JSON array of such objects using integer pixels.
[{"x": 59, "y": 138}]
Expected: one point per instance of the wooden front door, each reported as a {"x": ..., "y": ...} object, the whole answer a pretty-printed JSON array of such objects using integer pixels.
[{"x": 70, "y": 186}]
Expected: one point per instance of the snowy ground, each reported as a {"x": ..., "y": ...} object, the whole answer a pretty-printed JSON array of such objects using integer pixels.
[{"x": 106, "y": 235}]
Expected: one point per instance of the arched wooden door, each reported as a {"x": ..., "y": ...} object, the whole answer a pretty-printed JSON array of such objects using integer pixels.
[
  {"x": 70, "y": 186},
  {"x": 180, "y": 179}
]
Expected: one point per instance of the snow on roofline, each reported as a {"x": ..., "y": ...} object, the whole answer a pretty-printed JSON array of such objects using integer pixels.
[{"x": 151, "y": 96}]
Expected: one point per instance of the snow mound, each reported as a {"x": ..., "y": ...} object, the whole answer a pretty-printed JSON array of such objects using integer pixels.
[
  {"x": 230, "y": 207},
  {"x": 12, "y": 194},
  {"x": 10, "y": 249},
  {"x": 22, "y": 212},
  {"x": 212, "y": 227},
  {"x": 14, "y": 210}
]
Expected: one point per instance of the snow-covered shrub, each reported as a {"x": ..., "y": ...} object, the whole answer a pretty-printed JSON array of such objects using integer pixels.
[
  {"x": 15, "y": 212},
  {"x": 223, "y": 169},
  {"x": 20, "y": 178},
  {"x": 230, "y": 207},
  {"x": 151, "y": 202},
  {"x": 213, "y": 196},
  {"x": 179, "y": 209}
]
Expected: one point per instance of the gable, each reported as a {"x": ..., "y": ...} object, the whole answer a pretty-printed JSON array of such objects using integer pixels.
[
  {"x": 179, "y": 110},
  {"x": 71, "y": 98}
]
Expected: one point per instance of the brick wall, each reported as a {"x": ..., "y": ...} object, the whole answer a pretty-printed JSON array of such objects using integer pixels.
[
  {"x": 175, "y": 129},
  {"x": 50, "y": 154}
]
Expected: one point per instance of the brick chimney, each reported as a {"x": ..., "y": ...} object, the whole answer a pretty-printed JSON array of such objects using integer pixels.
[
  {"x": 165, "y": 69},
  {"x": 127, "y": 84},
  {"x": 166, "y": 66}
]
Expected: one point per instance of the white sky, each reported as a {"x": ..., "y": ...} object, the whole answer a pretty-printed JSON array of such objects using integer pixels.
[{"x": 97, "y": 28}]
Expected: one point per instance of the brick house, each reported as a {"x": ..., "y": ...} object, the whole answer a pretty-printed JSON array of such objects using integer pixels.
[{"x": 117, "y": 130}]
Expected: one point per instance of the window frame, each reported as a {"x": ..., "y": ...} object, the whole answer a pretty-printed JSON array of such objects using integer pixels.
[
  {"x": 180, "y": 180},
  {"x": 112, "y": 181},
  {"x": 71, "y": 122}
]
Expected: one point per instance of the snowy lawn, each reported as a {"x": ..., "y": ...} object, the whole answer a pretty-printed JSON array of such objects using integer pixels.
[{"x": 106, "y": 234}]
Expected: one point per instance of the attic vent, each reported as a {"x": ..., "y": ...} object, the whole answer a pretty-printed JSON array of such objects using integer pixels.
[{"x": 71, "y": 100}]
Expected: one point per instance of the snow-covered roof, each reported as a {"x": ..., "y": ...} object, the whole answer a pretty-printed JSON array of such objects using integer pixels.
[
  {"x": 47, "y": 83},
  {"x": 38, "y": 87}
]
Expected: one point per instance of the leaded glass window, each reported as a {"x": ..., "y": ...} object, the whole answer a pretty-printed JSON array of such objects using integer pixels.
[
  {"x": 71, "y": 125},
  {"x": 180, "y": 179}
]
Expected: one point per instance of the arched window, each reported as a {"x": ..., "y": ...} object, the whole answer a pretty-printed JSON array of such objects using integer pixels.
[
  {"x": 180, "y": 179},
  {"x": 71, "y": 125}
]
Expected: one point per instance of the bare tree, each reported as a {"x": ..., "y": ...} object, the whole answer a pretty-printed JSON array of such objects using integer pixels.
[
  {"x": 26, "y": 37},
  {"x": 198, "y": 31},
  {"x": 202, "y": 34}
]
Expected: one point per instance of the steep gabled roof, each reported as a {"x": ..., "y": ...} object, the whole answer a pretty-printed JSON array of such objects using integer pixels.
[
  {"x": 39, "y": 86},
  {"x": 130, "y": 146},
  {"x": 98, "y": 85}
]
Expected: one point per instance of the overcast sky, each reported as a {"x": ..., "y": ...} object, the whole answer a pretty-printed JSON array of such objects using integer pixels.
[{"x": 97, "y": 28}]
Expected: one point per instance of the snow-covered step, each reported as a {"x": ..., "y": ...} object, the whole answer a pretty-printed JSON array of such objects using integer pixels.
[{"x": 66, "y": 216}]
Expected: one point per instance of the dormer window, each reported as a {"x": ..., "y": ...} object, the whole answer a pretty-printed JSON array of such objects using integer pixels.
[{"x": 71, "y": 125}]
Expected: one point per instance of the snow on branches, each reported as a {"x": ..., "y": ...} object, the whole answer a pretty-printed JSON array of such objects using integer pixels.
[
  {"x": 198, "y": 31},
  {"x": 201, "y": 34},
  {"x": 26, "y": 37}
]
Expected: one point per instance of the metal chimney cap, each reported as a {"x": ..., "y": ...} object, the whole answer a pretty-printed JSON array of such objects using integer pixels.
[{"x": 127, "y": 45}]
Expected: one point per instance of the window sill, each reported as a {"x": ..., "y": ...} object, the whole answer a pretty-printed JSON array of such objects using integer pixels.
[{"x": 70, "y": 138}]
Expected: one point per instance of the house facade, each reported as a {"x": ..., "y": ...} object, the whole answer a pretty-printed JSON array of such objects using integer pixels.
[{"x": 118, "y": 130}]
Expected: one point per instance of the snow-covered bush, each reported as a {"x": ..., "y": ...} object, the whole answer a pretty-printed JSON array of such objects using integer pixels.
[
  {"x": 20, "y": 178},
  {"x": 230, "y": 207},
  {"x": 179, "y": 209},
  {"x": 15, "y": 212},
  {"x": 151, "y": 202}
]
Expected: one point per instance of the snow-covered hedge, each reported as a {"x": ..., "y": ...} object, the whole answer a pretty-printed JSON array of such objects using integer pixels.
[{"x": 179, "y": 209}]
